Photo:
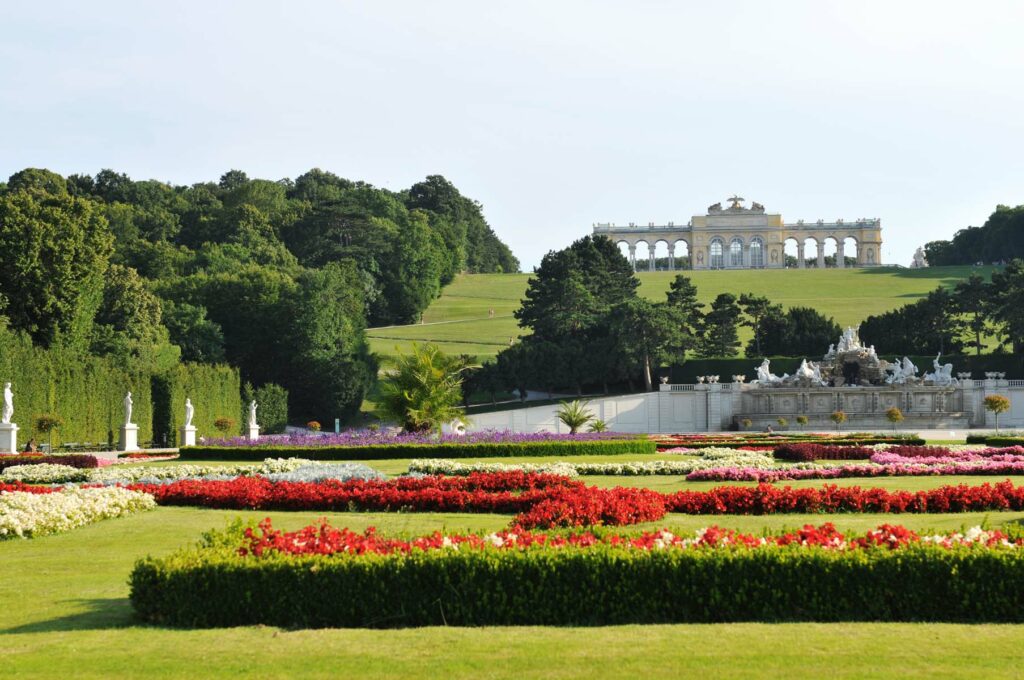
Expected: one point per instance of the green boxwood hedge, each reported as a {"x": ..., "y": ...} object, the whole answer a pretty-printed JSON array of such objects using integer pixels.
[
  {"x": 384, "y": 451},
  {"x": 600, "y": 585},
  {"x": 1000, "y": 442}
]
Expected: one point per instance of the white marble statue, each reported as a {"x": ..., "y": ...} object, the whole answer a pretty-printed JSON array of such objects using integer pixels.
[
  {"x": 805, "y": 372},
  {"x": 942, "y": 373},
  {"x": 831, "y": 350},
  {"x": 764, "y": 374},
  {"x": 455, "y": 427},
  {"x": 919, "y": 261},
  {"x": 8, "y": 408},
  {"x": 252, "y": 414},
  {"x": 871, "y": 352},
  {"x": 189, "y": 412},
  {"x": 909, "y": 369},
  {"x": 128, "y": 409},
  {"x": 816, "y": 368}
]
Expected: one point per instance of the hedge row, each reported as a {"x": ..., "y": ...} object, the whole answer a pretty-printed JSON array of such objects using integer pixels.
[
  {"x": 87, "y": 393},
  {"x": 599, "y": 585},
  {"x": 1002, "y": 442},
  {"x": 380, "y": 452},
  {"x": 72, "y": 460}
]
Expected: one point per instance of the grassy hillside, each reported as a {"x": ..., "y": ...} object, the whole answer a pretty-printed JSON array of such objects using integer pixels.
[{"x": 461, "y": 322}]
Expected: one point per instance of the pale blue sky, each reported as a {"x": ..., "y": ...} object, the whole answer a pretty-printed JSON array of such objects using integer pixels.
[{"x": 553, "y": 114}]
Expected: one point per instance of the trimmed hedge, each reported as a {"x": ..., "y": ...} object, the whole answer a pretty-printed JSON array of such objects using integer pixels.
[
  {"x": 214, "y": 389},
  {"x": 598, "y": 585},
  {"x": 810, "y": 452},
  {"x": 73, "y": 460},
  {"x": 1002, "y": 442},
  {"x": 385, "y": 451}
]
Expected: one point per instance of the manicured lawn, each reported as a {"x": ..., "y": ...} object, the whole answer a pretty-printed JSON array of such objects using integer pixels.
[
  {"x": 65, "y": 614},
  {"x": 460, "y": 319}
]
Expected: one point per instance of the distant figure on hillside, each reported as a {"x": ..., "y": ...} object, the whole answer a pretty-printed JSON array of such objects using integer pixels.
[{"x": 490, "y": 314}]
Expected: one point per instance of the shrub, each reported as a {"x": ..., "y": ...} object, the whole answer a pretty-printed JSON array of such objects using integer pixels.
[
  {"x": 597, "y": 425},
  {"x": 783, "y": 423},
  {"x": 838, "y": 417},
  {"x": 224, "y": 424},
  {"x": 46, "y": 423},
  {"x": 801, "y": 421},
  {"x": 895, "y": 416},
  {"x": 214, "y": 586},
  {"x": 604, "y": 447},
  {"x": 313, "y": 425}
]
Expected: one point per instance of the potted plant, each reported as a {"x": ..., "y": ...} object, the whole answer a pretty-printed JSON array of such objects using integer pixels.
[
  {"x": 802, "y": 422},
  {"x": 838, "y": 417},
  {"x": 224, "y": 424},
  {"x": 574, "y": 414},
  {"x": 783, "y": 423}
]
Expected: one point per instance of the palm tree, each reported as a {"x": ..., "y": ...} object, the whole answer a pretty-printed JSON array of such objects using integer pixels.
[
  {"x": 574, "y": 414},
  {"x": 424, "y": 389}
]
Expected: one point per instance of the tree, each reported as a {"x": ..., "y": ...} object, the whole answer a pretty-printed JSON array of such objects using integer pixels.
[
  {"x": 681, "y": 300},
  {"x": 838, "y": 417},
  {"x": 972, "y": 297},
  {"x": 997, "y": 403},
  {"x": 720, "y": 333},
  {"x": 423, "y": 390},
  {"x": 129, "y": 321},
  {"x": 574, "y": 414},
  {"x": 644, "y": 332},
  {"x": 57, "y": 247},
  {"x": 199, "y": 338},
  {"x": 757, "y": 308},
  {"x": 801, "y": 331},
  {"x": 1008, "y": 303},
  {"x": 801, "y": 421},
  {"x": 895, "y": 416},
  {"x": 328, "y": 367},
  {"x": 927, "y": 326}
]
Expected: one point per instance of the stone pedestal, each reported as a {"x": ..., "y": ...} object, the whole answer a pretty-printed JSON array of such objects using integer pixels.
[
  {"x": 187, "y": 435},
  {"x": 8, "y": 438},
  {"x": 129, "y": 440},
  {"x": 254, "y": 432}
]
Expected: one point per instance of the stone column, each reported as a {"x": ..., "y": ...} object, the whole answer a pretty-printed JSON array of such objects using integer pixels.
[
  {"x": 800, "y": 255},
  {"x": 821, "y": 256},
  {"x": 840, "y": 255},
  {"x": 651, "y": 260},
  {"x": 672, "y": 260},
  {"x": 632, "y": 256}
]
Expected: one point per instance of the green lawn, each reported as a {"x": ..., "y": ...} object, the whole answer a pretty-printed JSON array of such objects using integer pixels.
[
  {"x": 461, "y": 323},
  {"x": 65, "y": 613}
]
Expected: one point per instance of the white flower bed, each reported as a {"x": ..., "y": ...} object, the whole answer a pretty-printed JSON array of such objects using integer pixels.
[
  {"x": 25, "y": 515},
  {"x": 712, "y": 458},
  {"x": 43, "y": 473},
  {"x": 275, "y": 469}
]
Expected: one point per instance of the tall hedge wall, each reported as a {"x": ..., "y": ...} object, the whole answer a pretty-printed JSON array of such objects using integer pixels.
[
  {"x": 214, "y": 390},
  {"x": 88, "y": 393}
]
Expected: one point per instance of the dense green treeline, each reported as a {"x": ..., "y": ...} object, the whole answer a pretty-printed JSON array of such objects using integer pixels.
[
  {"x": 1000, "y": 239},
  {"x": 278, "y": 278}
]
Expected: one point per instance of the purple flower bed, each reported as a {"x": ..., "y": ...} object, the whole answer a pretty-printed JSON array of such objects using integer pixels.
[{"x": 378, "y": 438}]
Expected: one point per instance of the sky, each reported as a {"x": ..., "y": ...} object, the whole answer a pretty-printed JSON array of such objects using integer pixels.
[{"x": 553, "y": 115}]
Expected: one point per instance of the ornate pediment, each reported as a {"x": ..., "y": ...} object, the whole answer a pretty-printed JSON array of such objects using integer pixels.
[{"x": 736, "y": 206}]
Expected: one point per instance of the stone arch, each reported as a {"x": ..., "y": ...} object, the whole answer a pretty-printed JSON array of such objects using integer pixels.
[
  {"x": 850, "y": 247},
  {"x": 829, "y": 249},
  {"x": 716, "y": 253},
  {"x": 757, "y": 256},
  {"x": 642, "y": 255},
  {"x": 792, "y": 247},
  {"x": 681, "y": 256},
  {"x": 735, "y": 254},
  {"x": 813, "y": 254},
  {"x": 661, "y": 251}
]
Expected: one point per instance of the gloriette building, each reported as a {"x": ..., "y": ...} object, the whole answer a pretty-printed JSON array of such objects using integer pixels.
[{"x": 737, "y": 237}]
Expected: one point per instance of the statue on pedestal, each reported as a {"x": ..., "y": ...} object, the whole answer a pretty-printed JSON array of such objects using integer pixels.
[
  {"x": 128, "y": 409},
  {"x": 252, "y": 414},
  {"x": 189, "y": 412},
  {"x": 8, "y": 408}
]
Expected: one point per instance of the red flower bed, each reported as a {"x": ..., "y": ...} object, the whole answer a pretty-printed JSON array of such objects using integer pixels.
[
  {"x": 27, "y": 488},
  {"x": 765, "y": 499},
  {"x": 323, "y": 539},
  {"x": 809, "y": 452},
  {"x": 479, "y": 492},
  {"x": 542, "y": 500}
]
